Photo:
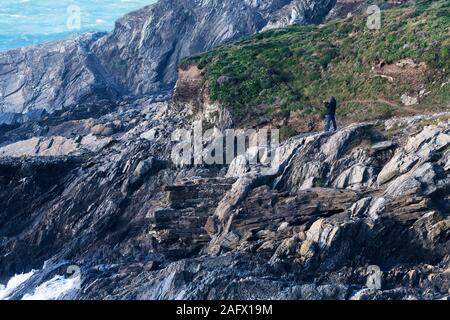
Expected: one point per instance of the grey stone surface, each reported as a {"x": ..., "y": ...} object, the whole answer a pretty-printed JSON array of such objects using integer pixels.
[{"x": 141, "y": 228}]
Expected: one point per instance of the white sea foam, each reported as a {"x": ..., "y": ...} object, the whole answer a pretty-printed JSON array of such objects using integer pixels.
[
  {"x": 13, "y": 283},
  {"x": 53, "y": 289}
]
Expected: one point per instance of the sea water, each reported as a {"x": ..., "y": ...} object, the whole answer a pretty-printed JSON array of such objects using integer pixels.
[
  {"x": 52, "y": 289},
  {"x": 28, "y": 22}
]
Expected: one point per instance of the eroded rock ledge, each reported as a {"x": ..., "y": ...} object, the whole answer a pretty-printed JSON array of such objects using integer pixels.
[{"x": 370, "y": 194}]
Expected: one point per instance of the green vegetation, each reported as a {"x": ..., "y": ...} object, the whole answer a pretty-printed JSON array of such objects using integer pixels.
[
  {"x": 277, "y": 72},
  {"x": 287, "y": 132}
]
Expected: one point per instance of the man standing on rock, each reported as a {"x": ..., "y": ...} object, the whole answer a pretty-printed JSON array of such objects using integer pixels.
[{"x": 331, "y": 113}]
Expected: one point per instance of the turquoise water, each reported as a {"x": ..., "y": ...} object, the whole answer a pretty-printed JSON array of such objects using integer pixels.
[{"x": 27, "y": 22}]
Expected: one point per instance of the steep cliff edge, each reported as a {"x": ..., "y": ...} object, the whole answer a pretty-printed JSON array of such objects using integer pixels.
[
  {"x": 280, "y": 77},
  {"x": 103, "y": 195},
  {"x": 93, "y": 204},
  {"x": 139, "y": 57},
  {"x": 43, "y": 79},
  {"x": 372, "y": 194}
]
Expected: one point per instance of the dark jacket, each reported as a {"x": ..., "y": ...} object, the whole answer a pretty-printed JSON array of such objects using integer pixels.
[{"x": 331, "y": 107}]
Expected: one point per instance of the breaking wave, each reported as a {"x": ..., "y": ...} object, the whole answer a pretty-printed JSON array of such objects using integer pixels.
[
  {"x": 30, "y": 286},
  {"x": 13, "y": 283},
  {"x": 53, "y": 289}
]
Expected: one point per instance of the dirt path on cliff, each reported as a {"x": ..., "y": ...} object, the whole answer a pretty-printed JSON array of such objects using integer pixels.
[
  {"x": 381, "y": 100},
  {"x": 417, "y": 109}
]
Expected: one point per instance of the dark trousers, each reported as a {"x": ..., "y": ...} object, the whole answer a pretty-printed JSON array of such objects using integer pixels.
[{"x": 330, "y": 119}]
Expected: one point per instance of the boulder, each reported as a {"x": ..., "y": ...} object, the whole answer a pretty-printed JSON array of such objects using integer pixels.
[{"x": 102, "y": 130}]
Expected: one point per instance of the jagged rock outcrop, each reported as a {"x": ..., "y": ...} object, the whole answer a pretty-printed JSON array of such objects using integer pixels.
[
  {"x": 140, "y": 57},
  {"x": 180, "y": 225},
  {"x": 50, "y": 77},
  {"x": 361, "y": 213},
  {"x": 143, "y": 52},
  {"x": 309, "y": 226},
  {"x": 349, "y": 8}
]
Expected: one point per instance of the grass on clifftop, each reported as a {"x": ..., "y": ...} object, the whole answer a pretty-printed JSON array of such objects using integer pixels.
[{"x": 278, "y": 73}]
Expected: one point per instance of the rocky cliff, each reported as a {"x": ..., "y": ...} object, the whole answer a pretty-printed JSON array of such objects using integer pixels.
[
  {"x": 104, "y": 196},
  {"x": 139, "y": 57},
  {"x": 94, "y": 207},
  {"x": 280, "y": 77}
]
